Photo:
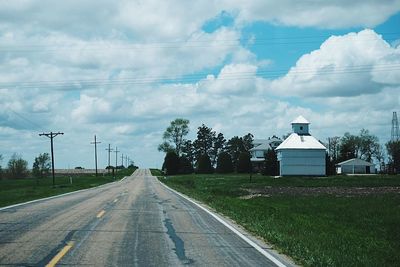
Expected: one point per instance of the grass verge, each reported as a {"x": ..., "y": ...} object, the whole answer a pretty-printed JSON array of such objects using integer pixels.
[
  {"x": 315, "y": 230},
  {"x": 13, "y": 191}
]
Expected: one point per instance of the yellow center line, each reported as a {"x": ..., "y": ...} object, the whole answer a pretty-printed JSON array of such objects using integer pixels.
[
  {"x": 101, "y": 213},
  {"x": 60, "y": 254}
]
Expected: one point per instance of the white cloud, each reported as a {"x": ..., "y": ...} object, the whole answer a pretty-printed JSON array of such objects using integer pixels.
[
  {"x": 102, "y": 69},
  {"x": 349, "y": 65},
  {"x": 315, "y": 13}
]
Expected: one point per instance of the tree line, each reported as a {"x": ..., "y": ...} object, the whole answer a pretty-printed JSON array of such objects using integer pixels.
[
  {"x": 209, "y": 152},
  {"x": 17, "y": 167},
  {"x": 364, "y": 146}
]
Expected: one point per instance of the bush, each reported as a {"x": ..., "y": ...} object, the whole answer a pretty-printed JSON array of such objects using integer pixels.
[
  {"x": 244, "y": 164},
  {"x": 185, "y": 166},
  {"x": 224, "y": 163},
  {"x": 41, "y": 165},
  {"x": 171, "y": 163},
  {"x": 271, "y": 163},
  {"x": 204, "y": 164},
  {"x": 17, "y": 167}
]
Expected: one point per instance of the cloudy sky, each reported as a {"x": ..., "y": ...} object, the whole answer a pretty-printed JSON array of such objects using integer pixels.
[{"x": 124, "y": 69}]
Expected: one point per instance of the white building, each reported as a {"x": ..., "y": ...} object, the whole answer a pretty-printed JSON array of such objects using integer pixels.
[
  {"x": 355, "y": 166},
  {"x": 260, "y": 147},
  {"x": 301, "y": 153}
]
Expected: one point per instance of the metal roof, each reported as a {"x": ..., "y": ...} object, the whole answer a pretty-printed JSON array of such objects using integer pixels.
[
  {"x": 300, "y": 120},
  {"x": 264, "y": 146},
  {"x": 355, "y": 161},
  {"x": 295, "y": 141}
]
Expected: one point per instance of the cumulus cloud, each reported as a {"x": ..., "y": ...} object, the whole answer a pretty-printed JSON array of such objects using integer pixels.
[
  {"x": 349, "y": 65},
  {"x": 322, "y": 14},
  {"x": 232, "y": 79},
  {"x": 123, "y": 70}
]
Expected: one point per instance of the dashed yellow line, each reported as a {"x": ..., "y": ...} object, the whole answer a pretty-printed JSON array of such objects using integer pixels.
[
  {"x": 60, "y": 254},
  {"x": 101, "y": 213}
]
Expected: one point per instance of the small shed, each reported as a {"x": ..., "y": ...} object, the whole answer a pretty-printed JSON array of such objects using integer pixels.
[
  {"x": 301, "y": 153},
  {"x": 355, "y": 166}
]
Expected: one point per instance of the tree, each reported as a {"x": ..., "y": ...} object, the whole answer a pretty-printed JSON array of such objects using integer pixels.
[
  {"x": 224, "y": 163},
  {"x": 171, "y": 163},
  {"x": 349, "y": 147},
  {"x": 218, "y": 146},
  {"x": 1, "y": 170},
  {"x": 329, "y": 165},
  {"x": 234, "y": 147},
  {"x": 204, "y": 164},
  {"x": 244, "y": 164},
  {"x": 271, "y": 163},
  {"x": 237, "y": 145},
  {"x": 333, "y": 148},
  {"x": 380, "y": 157},
  {"x": 368, "y": 144},
  {"x": 185, "y": 166},
  {"x": 247, "y": 142},
  {"x": 41, "y": 165},
  {"x": 188, "y": 151},
  {"x": 174, "y": 136},
  {"x": 17, "y": 167},
  {"x": 204, "y": 141},
  {"x": 393, "y": 150}
]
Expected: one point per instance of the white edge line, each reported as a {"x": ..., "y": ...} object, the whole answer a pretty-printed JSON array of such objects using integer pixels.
[
  {"x": 250, "y": 242},
  {"x": 56, "y": 196}
]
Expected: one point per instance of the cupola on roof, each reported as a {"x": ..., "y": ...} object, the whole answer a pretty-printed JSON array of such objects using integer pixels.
[{"x": 300, "y": 120}]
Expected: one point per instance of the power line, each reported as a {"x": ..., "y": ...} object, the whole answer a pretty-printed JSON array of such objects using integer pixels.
[
  {"x": 88, "y": 83},
  {"x": 281, "y": 40}
]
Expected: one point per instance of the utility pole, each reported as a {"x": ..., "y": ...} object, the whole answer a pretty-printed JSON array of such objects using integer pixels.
[
  {"x": 122, "y": 160},
  {"x": 109, "y": 149},
  {"x": 116, "y": 159},
  {"x": 95, "y": 151},
  {"x": 51, "y": 135},
  {"x": 126, "y": 161}
]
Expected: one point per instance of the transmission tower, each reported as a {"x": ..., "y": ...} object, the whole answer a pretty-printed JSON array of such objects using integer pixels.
[{"x": 395, "y": 128}]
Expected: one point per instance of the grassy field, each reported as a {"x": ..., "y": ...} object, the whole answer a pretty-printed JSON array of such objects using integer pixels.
[
  {"x": 14, "y": 191},
  {"x": 317, "y": 229}
]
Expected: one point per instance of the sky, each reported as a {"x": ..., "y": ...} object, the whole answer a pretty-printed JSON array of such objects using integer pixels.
[{"x": 123, "y": 70}]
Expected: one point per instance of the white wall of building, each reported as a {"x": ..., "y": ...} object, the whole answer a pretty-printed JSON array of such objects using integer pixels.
[{"x": 302, "y": 162}]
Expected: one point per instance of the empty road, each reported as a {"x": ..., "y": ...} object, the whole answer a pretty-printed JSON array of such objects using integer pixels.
[{"x": 135, "y": 222}]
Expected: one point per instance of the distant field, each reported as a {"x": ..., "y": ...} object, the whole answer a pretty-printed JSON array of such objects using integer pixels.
[
  {"x": 14, "y": 191},
  {"x": 335, "y": 221}
]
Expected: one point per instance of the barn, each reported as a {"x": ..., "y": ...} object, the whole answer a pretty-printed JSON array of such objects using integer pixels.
[
  {"x": 355, "y": 166},
  {"x": 301, "y": 153}
]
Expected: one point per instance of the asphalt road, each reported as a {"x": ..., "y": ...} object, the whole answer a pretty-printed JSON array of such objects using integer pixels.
[{"x": 136, "y": 222}]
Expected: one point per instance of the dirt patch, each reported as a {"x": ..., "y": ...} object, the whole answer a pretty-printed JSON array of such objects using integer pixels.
[{"x": 314, "y": 191}]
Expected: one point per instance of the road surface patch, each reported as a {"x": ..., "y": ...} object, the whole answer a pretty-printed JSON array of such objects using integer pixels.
[
  {"x": 230, "y": 227},
  {"x": 60, "y": 254}
]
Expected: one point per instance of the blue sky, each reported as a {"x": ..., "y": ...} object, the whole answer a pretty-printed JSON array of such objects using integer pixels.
[{"x": 124, "y": 69}]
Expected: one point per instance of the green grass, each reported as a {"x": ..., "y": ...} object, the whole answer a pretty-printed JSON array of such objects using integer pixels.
[
  {"x": 320, "y": 230},
  {"x": 14, "y": 191},
  {"x": 156, "y": 172}
]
